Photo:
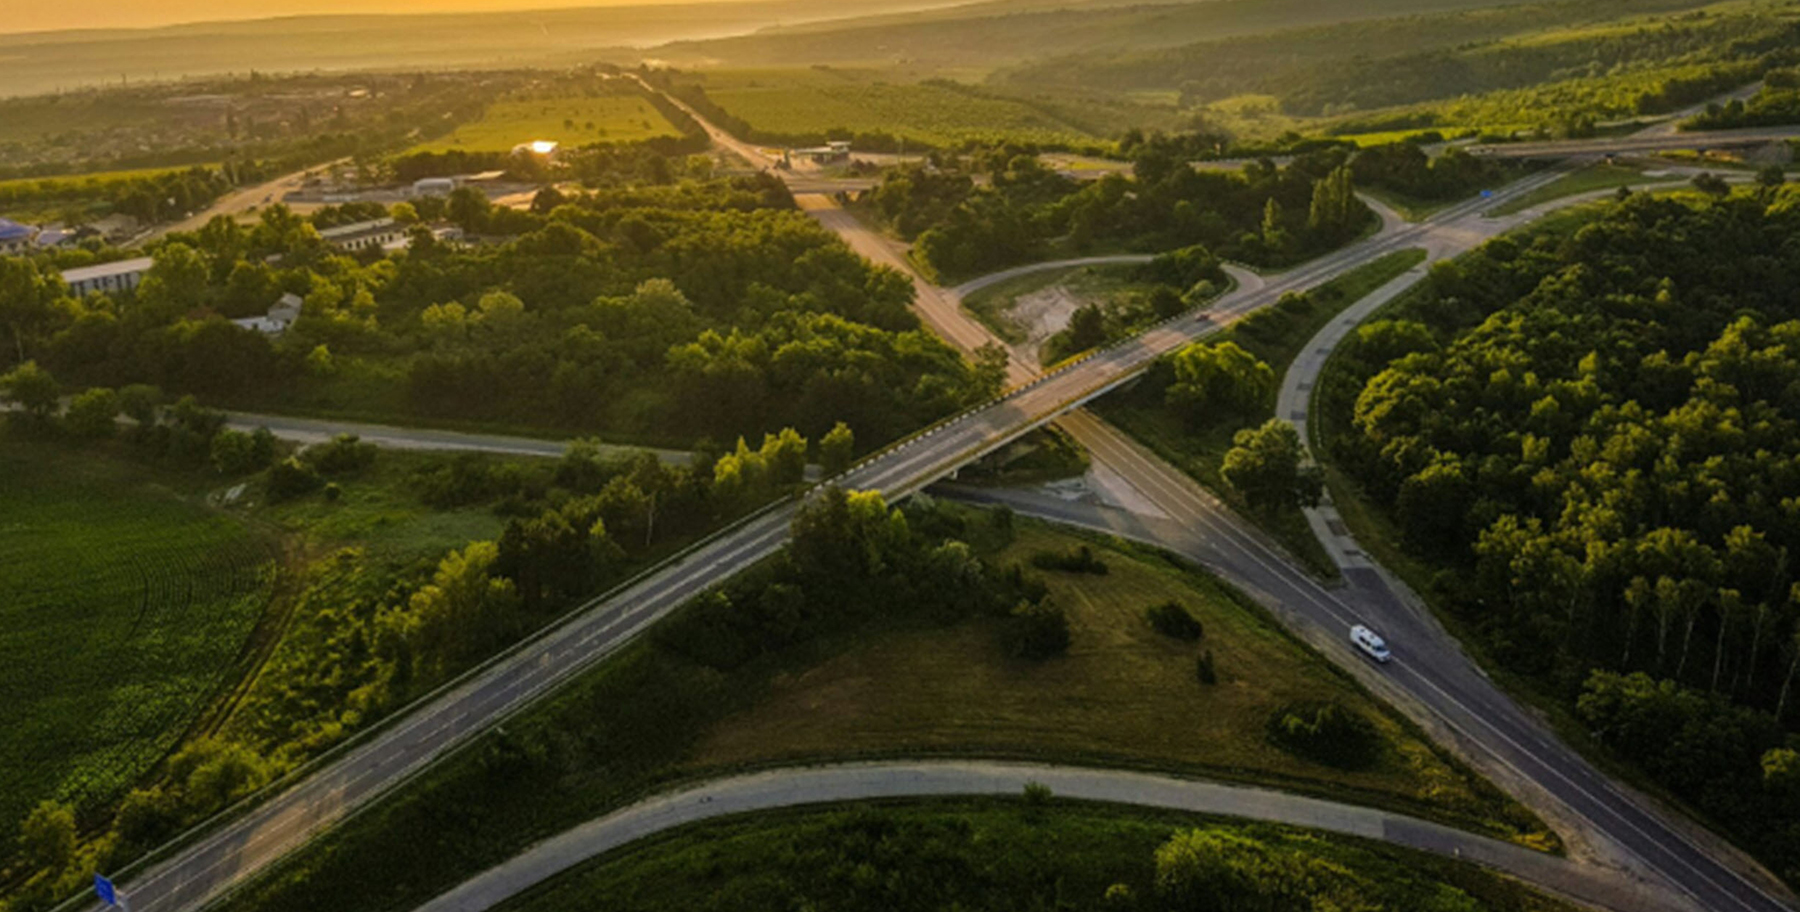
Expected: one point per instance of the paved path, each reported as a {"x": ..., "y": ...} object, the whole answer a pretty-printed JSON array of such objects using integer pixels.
[
  {"x": 920, "y": 779},
  {"x": 317, "y": 430}
]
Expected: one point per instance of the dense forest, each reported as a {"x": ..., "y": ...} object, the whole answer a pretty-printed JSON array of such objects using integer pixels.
[
  {"x": 1262, "y": 214},
  {"x": 562, "y": 316},
  {"x": 1596, "y": 436}
]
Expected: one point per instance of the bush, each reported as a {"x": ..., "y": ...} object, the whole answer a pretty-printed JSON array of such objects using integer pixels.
[
  {"x": 1172, "y": 620},
  {"x": 1325, "y": 732},
  {"x": 1204, "y": 670},
  {"x": 1079, "y": 559},
  {"x": 1037, "y": 630},
  {"x": 342, "y": 455},
  {"x": 291, "y": 478}
]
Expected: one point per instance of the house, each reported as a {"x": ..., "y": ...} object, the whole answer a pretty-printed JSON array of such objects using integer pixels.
[
  {"x": 16, "y": 238},
  {"x": 281, "y": 315},
  {"x": 109, "y": 278},
  {"x": 370, "y": 235}
]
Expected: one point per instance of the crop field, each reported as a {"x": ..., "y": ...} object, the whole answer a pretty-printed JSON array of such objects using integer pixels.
[
  {"x": 807, "y": 103},
  {"x": 125, "y": 607},
  {"x": 570, "y": 120}
]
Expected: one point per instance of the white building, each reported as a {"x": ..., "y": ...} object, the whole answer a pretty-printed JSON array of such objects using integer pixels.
[
  {"x": 371, "y": 235},
  {"x": 109, "y": 278},
  {"x": 281, "y": 315}
]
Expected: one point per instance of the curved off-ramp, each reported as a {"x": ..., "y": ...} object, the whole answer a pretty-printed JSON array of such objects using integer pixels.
[{"x": 787, "y": 788}]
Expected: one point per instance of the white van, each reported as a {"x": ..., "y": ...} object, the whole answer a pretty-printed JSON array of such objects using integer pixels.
[{"x": 1370, "y": 642}]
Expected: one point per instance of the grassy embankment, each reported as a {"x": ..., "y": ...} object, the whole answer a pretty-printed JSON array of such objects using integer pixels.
[
  {"x": 1276, "y": 336},
  {"x": 994, "y": 853},
  {"x": 1124, "y": 695}
]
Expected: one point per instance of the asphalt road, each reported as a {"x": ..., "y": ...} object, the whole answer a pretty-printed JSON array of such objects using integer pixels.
[
  {"x": 1641, "y": 142},
  {"x": 318, "y": 430},
  {"x": 788, "y": 788}
]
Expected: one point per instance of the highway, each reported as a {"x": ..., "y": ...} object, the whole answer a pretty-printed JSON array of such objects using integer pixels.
[
  {"x": 800, "y": 787},
  {"x": 1650, "y": 140},
  {"x": 1430, "y": 675}
]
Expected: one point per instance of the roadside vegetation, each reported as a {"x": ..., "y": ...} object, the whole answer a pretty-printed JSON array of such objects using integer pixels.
[
  {"x": 368, "y": 578},
  {"x": 1018, "y": 854},
  {"x": 1191, "y": 406},
  {"x": 1600, "y": 508},
  {"x": 972, "y": 654}
]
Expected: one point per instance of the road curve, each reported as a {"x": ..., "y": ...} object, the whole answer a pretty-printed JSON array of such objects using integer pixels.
[{"x": 787, "y": 788}]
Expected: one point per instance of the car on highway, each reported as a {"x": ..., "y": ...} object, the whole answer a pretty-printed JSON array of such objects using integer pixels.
[{"x": 1370, "y": 643}]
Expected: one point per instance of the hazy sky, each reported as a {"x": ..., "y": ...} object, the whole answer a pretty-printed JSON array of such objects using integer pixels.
[{"x": 41, "y": 15}]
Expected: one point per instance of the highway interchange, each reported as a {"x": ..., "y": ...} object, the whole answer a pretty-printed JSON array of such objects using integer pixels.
[{"x": 1431, "y": 678}]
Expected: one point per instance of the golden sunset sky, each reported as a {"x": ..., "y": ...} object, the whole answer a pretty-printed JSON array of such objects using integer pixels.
[{"x": 38, "y": 15}]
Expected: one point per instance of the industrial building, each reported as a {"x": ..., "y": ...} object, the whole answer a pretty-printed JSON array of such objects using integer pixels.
[{"x": 108, "y": 278}]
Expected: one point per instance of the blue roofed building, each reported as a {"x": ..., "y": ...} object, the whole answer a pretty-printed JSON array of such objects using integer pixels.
[{"x": 16, "y": 238}]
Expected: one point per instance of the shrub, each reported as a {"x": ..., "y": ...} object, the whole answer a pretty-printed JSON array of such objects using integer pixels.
[
  {"x": 1325, "y": 732},
  {"x": 1204, "y": 670},
  {"x": 1038, "y": 630},
  {"x": 291, "y": 478},
  {"x": 1079, "y": 559},
  {"x": 1172, "y": 620},
  {"x": 342, "y": 455}
]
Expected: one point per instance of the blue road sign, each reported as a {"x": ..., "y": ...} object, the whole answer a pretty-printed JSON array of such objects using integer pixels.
[{"x": 103, "y": 888}]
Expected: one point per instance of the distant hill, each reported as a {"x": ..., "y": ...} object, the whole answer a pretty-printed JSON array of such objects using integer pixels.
[{"x": 40, "y": 62}]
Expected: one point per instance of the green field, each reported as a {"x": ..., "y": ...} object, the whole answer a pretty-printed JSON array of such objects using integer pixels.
[
  {"x": 807, "y": 103},
  {"x": 126, "y": 607},
  {"x": 995, "y": 854},
  {"x": 572, "y": 121}
]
